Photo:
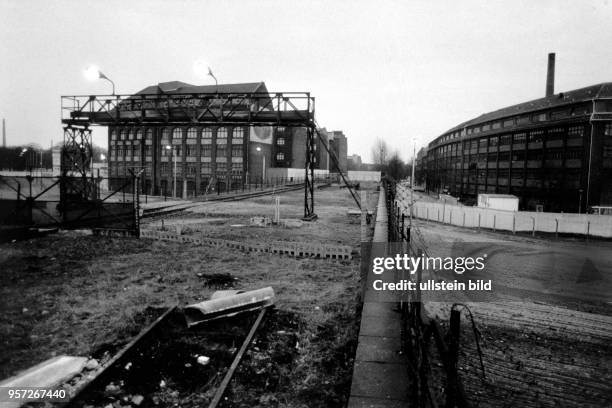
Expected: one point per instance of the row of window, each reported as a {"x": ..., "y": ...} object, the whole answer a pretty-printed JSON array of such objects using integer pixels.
[
  {"x": 534, "y": 136},
  {"x": 190, "y": 151},
  {"x": 177, "y": 134},
  {"x": 517, "y": 120},
  {"x": 205, "y": 168},
  {"x": 520, "y": 155}
]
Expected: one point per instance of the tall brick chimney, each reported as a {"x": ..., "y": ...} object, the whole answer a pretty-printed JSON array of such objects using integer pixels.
[{"x": 550, "y": 75}]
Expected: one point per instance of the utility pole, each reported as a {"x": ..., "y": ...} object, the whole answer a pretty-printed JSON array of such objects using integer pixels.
[{"x": 174, "y": 160}]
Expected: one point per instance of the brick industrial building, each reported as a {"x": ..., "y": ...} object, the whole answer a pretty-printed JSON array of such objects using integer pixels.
[
  {"x": 213, "y": 158},
  {"x": 554, "y": 153}
]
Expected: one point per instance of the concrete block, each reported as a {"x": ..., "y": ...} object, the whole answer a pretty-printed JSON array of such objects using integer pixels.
[{"x": 48, "y": 374}]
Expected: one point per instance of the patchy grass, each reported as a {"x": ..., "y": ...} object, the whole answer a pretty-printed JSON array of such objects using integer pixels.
[{"x": 78, "y": 294}]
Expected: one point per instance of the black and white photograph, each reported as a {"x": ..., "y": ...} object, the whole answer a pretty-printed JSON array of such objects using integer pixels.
[{"x": 294, "y": 204}]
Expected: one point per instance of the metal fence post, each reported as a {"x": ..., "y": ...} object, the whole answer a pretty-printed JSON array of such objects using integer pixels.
[
  {"x": 556, "y": 228},
  {"x": 453, "y": 356}
]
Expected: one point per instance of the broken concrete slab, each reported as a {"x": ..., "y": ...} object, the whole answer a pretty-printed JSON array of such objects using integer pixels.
[
  {"x": 48, "y": 374},
  {"x": 260, "y": 221},
  {"x": 290, "y": 223}
]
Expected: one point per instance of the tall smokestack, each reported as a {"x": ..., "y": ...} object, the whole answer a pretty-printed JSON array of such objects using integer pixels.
[
  {"x": 550, "y": 76},
  {"x": 3, "y": 133}
]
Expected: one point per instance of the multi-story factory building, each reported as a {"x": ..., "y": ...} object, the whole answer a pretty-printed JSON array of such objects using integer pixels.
[
  {"x": 204, "y": 159},
  {"x": 554, "y": 153}
]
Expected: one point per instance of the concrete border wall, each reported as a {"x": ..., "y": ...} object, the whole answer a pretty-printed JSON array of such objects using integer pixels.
[
  {"x": 359, "y": 175},
  {"x": 514, "y": 221}
]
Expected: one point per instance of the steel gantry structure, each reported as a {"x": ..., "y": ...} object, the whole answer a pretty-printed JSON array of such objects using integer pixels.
[{"x": 80, "y": 113}]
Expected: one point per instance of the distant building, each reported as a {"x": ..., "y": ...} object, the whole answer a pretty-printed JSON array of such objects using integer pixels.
[
  {"x": 337, "y": 143},
  {"x": 208, "y": 158},
  {"x": 354, "y": 162},
  {"x": 554, "y": 152}
]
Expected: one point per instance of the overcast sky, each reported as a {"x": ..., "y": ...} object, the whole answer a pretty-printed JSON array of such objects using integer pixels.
[{"x": 395, "y": 69}]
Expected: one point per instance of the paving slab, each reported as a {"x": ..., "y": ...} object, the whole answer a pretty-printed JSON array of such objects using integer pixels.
[
  {"x": 379, "y": 349},
  {"x": 380, "y": 381},
  {"x": 381, "y": 326},
  {"x": 367, "y": 402}
]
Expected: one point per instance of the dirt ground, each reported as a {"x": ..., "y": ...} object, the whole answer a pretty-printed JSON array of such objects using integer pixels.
[
  {"x": 76, "y": 294},
  {"x": 536, "y": 345}
]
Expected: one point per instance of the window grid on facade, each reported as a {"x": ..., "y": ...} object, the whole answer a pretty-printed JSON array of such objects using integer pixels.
[
  {"x": 206, "y": 150},
  {"x": 575, "y": 131},
  {"x": 221, "y": 135},
  {"x": 221, "y": 150},
  {"x": 238, "y": 135},
  {"x": 192, "y": 133},
  {"x": 237, "y": 151},
  {"x": 280, "y": 156},
  {"x": 280, "y": 141},
  {"x": 608, "y": 129},
  {"x": 165, "y": 134},
  {"x": 177, "y": 135},
  {"x": 535, "y": 136},
  {"x": 206, "y": 136},
  {"x": 236, "y": 168},
  {"x": 205, "y": 168}
]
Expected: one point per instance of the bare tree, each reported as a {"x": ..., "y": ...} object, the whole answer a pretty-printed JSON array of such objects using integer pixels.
[
  {"x": 380, "y": 152},
  {"x": 396, "y": 168}
]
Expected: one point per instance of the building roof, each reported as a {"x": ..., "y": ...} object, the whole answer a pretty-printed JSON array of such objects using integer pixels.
[
  {"x": 185, "y": 88},
  {"x": 603, "y": 90}
]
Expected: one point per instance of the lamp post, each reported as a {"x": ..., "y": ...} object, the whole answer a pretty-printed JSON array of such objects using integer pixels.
[
  {"x": 210, "y": 73},
  {"x": 263, "y": 163},
  {"x": 168, "y": 147},
  {"x": 412, "y": 180},
  {"x": 93, "y": 73},
  {"x": 579, "y": 201}
]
